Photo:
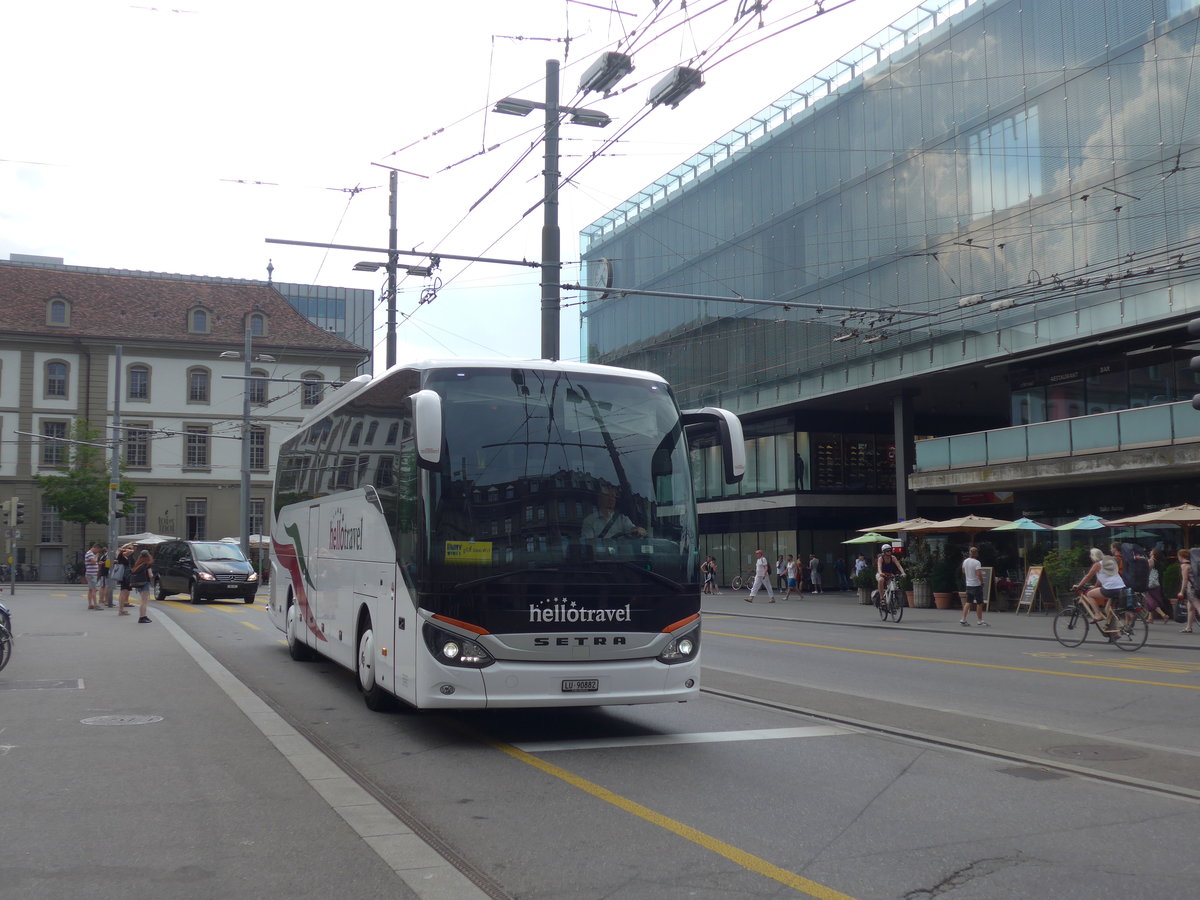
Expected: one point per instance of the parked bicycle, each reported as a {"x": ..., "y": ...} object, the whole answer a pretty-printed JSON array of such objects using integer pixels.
[
  {"x": 1126, "y": 628},
  {"x": 742, "y": 581},
  {"x": 6, "y": 636},
  {"x": 892, "y": 602}
]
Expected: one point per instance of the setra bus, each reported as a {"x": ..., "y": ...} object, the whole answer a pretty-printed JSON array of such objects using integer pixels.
[{"x": 479, "y": 534}]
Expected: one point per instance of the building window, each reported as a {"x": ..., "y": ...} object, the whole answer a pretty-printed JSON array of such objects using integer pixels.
[
  {"x": 197, "y": 519},
  {"x": 392, "y": 433},
  {"x": 52, "y": 525},
  {"x": 198, "y": 383},
  {"x": 54, "y": 452},
  {"x": 198, "y": 321},
  {"x": 196, "y": 442},
  {"x": 137, "y": 445},
  {"x": 135, "y": 519},
  {"x": 139, "y": 382},
  {"x": 58, "y": 312},
  {"x": 258, "y": 508},
  {"x": 56, "y": 380},
  {"x": 371, "y": 429},
  {"x": 1004, "y": 162},
  {"x": 258, "y": 449},
  {"x": 258, "y": 324},
  {"x": 344, "y": 474},
  {"x": 258, "y": 387},
  {"x": 311, "y": 392},
  {"x": 356, "y": 434}
]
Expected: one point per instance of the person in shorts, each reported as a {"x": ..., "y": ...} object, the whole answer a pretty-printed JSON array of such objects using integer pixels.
[
  {"x": 91, "y": 571},
  {"x": 971, "y": 572}
]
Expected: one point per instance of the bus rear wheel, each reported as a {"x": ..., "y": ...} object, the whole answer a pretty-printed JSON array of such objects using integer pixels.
[{"x": 373, "y": 695}]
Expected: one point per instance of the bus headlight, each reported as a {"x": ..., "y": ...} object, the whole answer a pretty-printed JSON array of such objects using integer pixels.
[
  {"x": 455, "y": 650},
  {"x": 681, "y": 649}
]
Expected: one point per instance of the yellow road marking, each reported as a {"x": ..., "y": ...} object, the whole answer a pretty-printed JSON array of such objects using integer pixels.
[
  {"x": 180, "y": 604},
  {"x": 254, "y": 627},
  {"x": 708, "y": 842},
  {"x": 960, "y": 662}
]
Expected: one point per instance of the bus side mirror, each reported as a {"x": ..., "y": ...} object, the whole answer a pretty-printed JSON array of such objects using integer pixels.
[
  {"x": 729, "y": 434},
  {"x": 427, "y": 428}
]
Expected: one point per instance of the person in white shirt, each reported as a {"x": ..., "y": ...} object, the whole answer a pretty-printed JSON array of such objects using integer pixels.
[
  {"x": 971, "y": 572},
  {"x": 762, "y": 576}
]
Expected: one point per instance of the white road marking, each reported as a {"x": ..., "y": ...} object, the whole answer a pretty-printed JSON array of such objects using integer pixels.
[{"x": 709, "y": 737}]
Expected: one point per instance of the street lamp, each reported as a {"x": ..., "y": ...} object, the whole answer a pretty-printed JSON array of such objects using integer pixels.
[
  {"x": 247, "y": 356},
  {"x": 551, "y": 238}
]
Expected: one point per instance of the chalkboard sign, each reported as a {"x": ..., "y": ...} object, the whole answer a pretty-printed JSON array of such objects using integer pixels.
[
  {"x": 1036, "y": 587},
  {"x": 986, "y": 577}
]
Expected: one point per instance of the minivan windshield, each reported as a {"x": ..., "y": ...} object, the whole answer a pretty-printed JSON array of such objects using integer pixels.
[{"x": 218, "y": 550}]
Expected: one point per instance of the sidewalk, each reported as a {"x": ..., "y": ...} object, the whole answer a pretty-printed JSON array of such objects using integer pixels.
[
  {"x": 136, "y": 766},
  {"x": 843, "y": 608}
]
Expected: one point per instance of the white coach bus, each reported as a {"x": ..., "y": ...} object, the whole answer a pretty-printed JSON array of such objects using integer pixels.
[{"x": 497, "y": 533}]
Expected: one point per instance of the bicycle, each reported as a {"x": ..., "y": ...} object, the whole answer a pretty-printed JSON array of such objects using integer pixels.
[
  {"x": 1127, "y": 630},
  {"x": 892, "y": 601},
  {"x": 742, "y": 581},
  {"x": 6, "y": 637}
]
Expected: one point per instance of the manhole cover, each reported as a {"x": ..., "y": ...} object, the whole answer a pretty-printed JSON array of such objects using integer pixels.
[
  {"x": 121, "y": 720},
  {"x": 1095, "y": 752}
]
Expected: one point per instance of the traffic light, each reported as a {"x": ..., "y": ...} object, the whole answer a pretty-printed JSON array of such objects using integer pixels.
[
  {"x": 14, "y": 512},
  {"x": 6, "y": 508},
  {"x": 118, "y": 499},
  {"x": 1194, "y": 331}
]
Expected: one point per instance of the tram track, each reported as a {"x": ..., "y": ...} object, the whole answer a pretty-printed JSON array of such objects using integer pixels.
[{"x": 1044, "y": 752}]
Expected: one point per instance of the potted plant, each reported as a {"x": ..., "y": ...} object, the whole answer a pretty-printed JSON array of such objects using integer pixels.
[
  {"x": 919, "y": 567},
  {"x": 864, "y": 582},
  {"x": 942, "y": 580}
]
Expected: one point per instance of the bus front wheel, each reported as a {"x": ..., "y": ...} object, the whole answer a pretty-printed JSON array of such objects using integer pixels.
[
  {"x": 298, "y": 650},
  {"x": 373, "y": 695}
]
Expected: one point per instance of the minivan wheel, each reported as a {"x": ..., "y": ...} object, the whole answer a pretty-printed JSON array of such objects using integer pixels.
[
  {"x": 159, "y": 594},
  {"x": 195, "y": 592}
]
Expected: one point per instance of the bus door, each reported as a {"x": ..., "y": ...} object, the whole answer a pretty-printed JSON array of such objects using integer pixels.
[{"x": 313, "y": 567}]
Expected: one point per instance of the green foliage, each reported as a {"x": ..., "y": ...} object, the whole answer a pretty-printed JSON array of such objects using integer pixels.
[
  {"x": 80, "y": 491},
  {"x": 919, "y": 564},
  {"x": 864, "y": 579},
  {"x": 945, "y": 575},
  {"x": 1065, "y": 567},
  {"x": 1171, "y": 580}
]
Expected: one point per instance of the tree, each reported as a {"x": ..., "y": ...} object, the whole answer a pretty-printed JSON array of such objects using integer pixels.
[{"x": 80, "y": 492}]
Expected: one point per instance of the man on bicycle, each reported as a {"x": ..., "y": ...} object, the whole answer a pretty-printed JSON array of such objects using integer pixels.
[{"x": 886, "y": 566}]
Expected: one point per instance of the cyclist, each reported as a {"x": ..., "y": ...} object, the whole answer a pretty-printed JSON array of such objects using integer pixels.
[
  {"x": 1109, "y": 587},
  {"x": 886, "y": 566}
]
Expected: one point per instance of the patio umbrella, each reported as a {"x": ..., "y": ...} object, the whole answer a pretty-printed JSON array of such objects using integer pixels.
[
  {"x": 1185, "y": 515},
  {"x": 902, "y": 525},
  {"x": 145, "y": 537},
  {"x": 1026, "y": 525},
  {"x": 871, "y": 538},
  {"x": 971, "y": 524},
  {"x": 1085, "y": 523}
]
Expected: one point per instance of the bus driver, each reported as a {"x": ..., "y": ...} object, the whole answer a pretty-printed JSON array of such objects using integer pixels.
[{"x": 606, "y": 522}]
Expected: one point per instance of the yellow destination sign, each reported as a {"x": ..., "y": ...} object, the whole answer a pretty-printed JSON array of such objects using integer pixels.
[{"x": 470, "y": 552}]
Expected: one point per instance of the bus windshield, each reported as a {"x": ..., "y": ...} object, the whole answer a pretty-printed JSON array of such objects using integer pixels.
[{"x": 549, "y": 468}]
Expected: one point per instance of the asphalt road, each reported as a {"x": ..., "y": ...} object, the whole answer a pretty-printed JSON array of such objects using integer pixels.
[{"x": 834, "y": 756}]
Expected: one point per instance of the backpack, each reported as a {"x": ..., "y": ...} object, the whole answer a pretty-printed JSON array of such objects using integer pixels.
[{"x": 1135, "y": 567}]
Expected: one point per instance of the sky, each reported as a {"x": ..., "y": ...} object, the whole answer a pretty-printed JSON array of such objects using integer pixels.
[{"x": 179, "y": 139}]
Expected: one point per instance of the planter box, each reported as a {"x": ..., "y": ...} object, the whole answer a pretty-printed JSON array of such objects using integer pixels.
[
  {"x": 922, "y": 595},
  {"x": 945, "y": 601}
]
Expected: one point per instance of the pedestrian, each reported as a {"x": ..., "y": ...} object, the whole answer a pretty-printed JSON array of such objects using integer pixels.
[
  {"x": 971, "y": 572},
  {"x": 121, "y": 570},
  {"x": 814, "y": 572},
  {"x": 91, "y": 571},
  {"x": 1187, "y": 593},
  {"x": 791, "y": 579},
  {"x": 1156, "y": 603},
  {"x": 839, "y": 571},
  {"x": 860, "y": 564},
  {"x": 713, "y": 568},
  {"x": 780, "y": 572},
  {"x": 139, "y": 579},
  {"x": 106, "y": 599},
  {"x": 762, "y": 577},
  {"x": 706, "y": 571}
]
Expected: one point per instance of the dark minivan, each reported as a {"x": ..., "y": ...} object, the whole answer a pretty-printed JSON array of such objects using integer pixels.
[{"x": 205, "y": 570}]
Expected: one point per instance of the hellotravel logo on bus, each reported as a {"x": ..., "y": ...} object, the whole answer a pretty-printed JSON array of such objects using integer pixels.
[{"x": 342, "y": 537}]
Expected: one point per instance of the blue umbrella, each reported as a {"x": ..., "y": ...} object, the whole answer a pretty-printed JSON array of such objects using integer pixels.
[{"x": 1086, "y": 523}]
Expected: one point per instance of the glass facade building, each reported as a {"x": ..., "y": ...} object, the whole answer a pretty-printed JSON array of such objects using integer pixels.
[{"x": 989, "y": 209}]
